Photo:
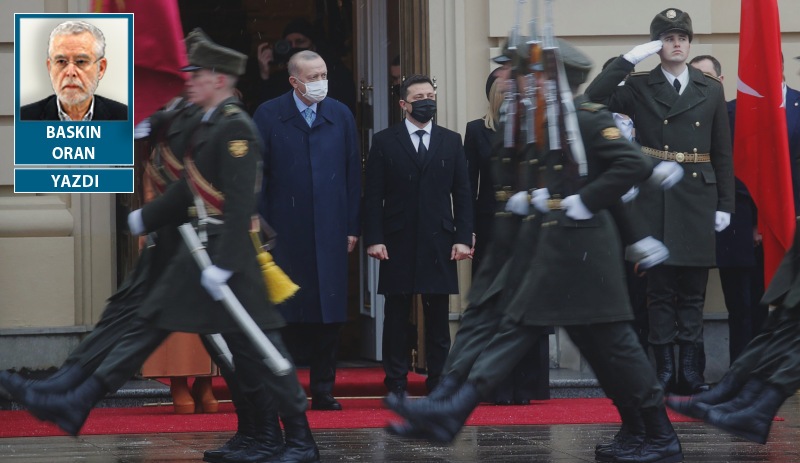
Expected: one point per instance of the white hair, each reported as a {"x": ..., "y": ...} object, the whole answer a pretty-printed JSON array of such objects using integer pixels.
[{"x": 79, "y": 27}]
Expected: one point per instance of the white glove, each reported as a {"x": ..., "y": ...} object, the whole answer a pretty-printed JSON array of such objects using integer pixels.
[
  {"x": 640, "y": 52},
  {"x": 212, "y": 280},
  {"x": 721, "y": 220},
  {"x": 575, "y": 209},
  {"x": 135, "y": 222},
  {"x": 142, "y": 129},
  {"x": 630, "y": 195},
  {"x": 666, "y": 174},
  {"x": 518, "y": 204},
  {"x": 647, "y": 252},
  {"x": 539, "y": 199}
]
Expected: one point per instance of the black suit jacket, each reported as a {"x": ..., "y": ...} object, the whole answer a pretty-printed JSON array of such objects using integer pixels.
[
  {"x": 105, "y": 109},
  {"x": 408, "y": 208},
  {"x": 478, "y": 147}
]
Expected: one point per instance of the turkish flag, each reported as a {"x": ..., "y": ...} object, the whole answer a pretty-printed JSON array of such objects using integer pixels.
[
  {"x": 158, "y": 51},
  {"x": 761, "y": 144}
]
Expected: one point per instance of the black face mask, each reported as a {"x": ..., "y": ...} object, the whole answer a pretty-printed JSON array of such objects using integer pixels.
[{"x": 423, "y": 110}]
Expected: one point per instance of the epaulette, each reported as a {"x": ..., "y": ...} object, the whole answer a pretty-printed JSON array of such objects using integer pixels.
[
  {"x": 592, "y": 107},
  {"x": 640, "y": 73},
  {"x": 712, "y": 76},
  {"x": 231, "y": 109}
]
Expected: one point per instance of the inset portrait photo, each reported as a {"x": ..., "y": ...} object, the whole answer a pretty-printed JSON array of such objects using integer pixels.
[{"x": 73, "y": 67}]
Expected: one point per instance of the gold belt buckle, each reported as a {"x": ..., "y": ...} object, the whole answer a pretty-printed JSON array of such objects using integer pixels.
[{"x": 680, "y": 157}]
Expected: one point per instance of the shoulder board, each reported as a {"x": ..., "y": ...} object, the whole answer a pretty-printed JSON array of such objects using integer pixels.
[
  {"x": 592, "y": 107},
  {"x": 231, "y": 109},
  {"x": 640, "y": 73},
  {"x": 712, "y": 76}
]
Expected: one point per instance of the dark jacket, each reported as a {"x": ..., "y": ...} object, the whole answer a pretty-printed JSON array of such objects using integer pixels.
[
  {"x": 47, "y": 110},
  {"x": 408, "y": 208},
  {"x": 312, "y": 198},
  {"x": 226, "y": 151},
  {"x": 696, "y": 121},
  {"x": 576, "y": 275}
]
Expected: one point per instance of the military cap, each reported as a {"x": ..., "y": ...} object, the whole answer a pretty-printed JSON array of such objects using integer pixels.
[
  {"x": 576, "y": 64},
  {"x": 205, "y": 54},
  {"x": 671, "y": 19}
]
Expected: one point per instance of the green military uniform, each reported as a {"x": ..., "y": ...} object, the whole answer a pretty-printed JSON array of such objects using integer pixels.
[
  {"x": 576, "y": 278},
  {"x": 693, "y": 122}
]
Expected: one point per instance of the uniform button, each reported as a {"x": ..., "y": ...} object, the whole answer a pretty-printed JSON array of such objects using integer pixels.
[
  {"x": 666, "y": 147},
  {"x": 694, "y": 174},
  {"x": 695, "y": 150},
  {"x": 697, "y": 124},
  {"x": 666, "y": 122},
  {"x": 557, "y": 167}
]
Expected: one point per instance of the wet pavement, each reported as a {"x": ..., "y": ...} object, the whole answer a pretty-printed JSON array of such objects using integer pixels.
[{"x": 561, "y": 443}]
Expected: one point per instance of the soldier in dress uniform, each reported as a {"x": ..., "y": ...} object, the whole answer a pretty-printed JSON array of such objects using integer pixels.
[
  {"x": 681, "y": 116},
  {"x": 576, "y": 279},
  {"x": 220, "y": 162}
]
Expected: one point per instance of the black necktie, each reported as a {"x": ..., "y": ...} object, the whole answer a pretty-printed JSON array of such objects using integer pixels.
[
  {"x": 421, "y": 150},
  {"x": 677, "y": 85}
]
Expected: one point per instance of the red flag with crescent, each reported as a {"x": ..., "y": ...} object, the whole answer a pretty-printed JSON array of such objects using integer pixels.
[{"x": 761, "y": 144}]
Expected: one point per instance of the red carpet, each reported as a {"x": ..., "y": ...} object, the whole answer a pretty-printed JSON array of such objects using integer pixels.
[
  {"x": 358, "y": 389},
  {"x": 357, "y": 413}
]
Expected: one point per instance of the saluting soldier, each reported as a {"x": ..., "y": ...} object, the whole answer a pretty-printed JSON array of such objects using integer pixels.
[
  {"x": 575, "y": 279},
  {"x": 681, "y": 117},
  {"x": 221, "y": 162}
]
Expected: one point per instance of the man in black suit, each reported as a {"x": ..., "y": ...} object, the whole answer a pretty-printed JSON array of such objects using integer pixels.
[
  {"x": 414, "y": 170},
  {"x": 76, "y": 62}
]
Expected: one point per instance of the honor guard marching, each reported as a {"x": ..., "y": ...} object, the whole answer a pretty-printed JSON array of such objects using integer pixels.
[
  {"x": 574, "y": 274},
  {"x": 216, "y": 191}
]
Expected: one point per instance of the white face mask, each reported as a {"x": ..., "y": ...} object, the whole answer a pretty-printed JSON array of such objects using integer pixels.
[{"x": 315, "y": 91}]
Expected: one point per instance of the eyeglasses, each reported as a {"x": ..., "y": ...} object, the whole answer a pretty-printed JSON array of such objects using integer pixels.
[{"x": 80, "y": 63}]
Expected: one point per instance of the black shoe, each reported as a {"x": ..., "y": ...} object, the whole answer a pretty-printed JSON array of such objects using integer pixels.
[
  {"x": 234, "y": 444},
  {"x": 629, "y": 437},
  {"x": 753, "y": 422},
  {"x": 325, "y": 402},
  {"x": 68, "y": 410},
  {"x": 441, "y": 420},
  {"x": 266, "y": 442},
  {"x": 697, "y": 405},
  {"x": 661, "y": 444},
  {"x": 300, "y": 446},
  {"x": 690, "y": 373},
  {"x": 66, "y": 378},
  {"x": 665, "y": 364}
]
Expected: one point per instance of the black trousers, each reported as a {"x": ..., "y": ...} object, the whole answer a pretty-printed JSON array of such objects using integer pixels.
[
  {"x": 675, "y": 303},
  {"x": 315, "y": 345},
  {"x": 637, "y": 293},
  {"x": 742, "y": 288},
  {"x": 612, "y": 350},
  {"x": 251, "y": 373},
  {"x": 436, "y": 312}
]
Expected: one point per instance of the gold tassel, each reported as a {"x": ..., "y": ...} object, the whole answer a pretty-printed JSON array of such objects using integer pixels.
[{"x": 279, "y": 286}]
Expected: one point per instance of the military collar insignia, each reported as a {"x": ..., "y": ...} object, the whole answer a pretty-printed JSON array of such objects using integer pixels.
[{"x": 237, "y": 148}]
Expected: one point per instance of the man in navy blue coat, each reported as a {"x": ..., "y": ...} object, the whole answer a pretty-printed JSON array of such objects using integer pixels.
[
  {"x": 417, "y": 222},
  {"x": 311, "y": 197}
]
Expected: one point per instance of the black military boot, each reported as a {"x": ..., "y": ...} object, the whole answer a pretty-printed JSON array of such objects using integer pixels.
[
  {"x": 665, "y": 364},
  {"x": 690, "y": 375},
  {"x": 68, "y": 410},
  {"x": 629, "y": 437},
  {"x": 697, "y": 405},
  {"x": 661, "y": 444},
  {"x": 244, "y": 438},
  {"x": 752, "y": 422},
  {"x": 300, "y": 446},
  {"x": 441, "y": 420},
  {"x": 743, "y": 399},
  {"x": 65, "y": 378},
  {"x": 448, "y": 384},
  {"x": 265, "y": 442}
]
